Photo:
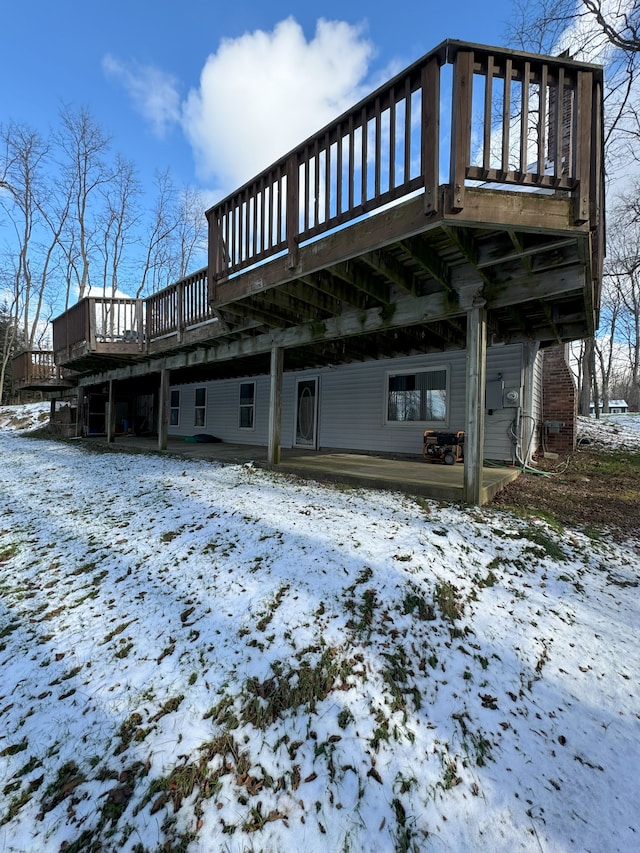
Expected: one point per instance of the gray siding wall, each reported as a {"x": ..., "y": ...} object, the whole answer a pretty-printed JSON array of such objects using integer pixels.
[
  {"x": 352, "y": 405},
  {"x": 502, "y": 362}
]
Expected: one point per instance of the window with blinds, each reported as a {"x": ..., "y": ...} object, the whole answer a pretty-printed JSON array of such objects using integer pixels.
[
  {"x": 174, "y": 408},
  {"x": 419, "y": 396},
  {"x": 200, "y": 407},
  {"x": 247, "y": 405}
]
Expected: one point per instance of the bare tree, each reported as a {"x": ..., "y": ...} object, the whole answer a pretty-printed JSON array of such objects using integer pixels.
[
  {"x": 539, "y": 27},
  {"x": 119, "y": 218},
  {"x": 192, "y": 229},
  {"x": 36, "y": 217},
  {"x": 605, "y": 344},
  {"x": 75, "y": 218},
  {"x": 157, "y": 270},
  {"x": 83, "y": 146},
  {"x": 619, "y": 23},
  {"x": 622, "y": 277},
  {"x": 607, "y": 33}
]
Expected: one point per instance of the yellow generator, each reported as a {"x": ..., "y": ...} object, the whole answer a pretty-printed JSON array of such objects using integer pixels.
[{"x": 447, "y": 447}]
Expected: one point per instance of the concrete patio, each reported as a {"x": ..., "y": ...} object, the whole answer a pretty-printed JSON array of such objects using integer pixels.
[{"x": 405, "y": 474}]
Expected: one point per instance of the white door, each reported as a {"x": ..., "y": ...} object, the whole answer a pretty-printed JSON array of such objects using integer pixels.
[{"x": 306, "y": 412}]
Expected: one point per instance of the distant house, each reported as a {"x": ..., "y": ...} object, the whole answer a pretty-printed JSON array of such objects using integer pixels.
[{"x": 616, "y": 407}]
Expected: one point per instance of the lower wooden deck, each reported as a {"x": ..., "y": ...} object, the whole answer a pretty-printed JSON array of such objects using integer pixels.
[{"x": 405, "y": 474}]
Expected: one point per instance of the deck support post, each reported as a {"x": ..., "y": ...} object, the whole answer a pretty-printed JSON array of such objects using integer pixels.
[
  {"x": 275, "y": 405},
  {"x": 80, "y": 412},
  {"x": 163, "y": 409},
  {"x": 111, "y": 414},
  {"x": 475, "y": 401}
]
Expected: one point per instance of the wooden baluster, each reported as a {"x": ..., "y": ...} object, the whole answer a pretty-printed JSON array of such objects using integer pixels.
[
  {"x": 430, "y": 134},
  {"x": 292, "y": 213},
  {"x": 460, "y": 127},
  {"x": 583, "y": 107}
]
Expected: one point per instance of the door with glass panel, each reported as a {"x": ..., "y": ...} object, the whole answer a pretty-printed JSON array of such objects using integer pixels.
[{"x": 306, "y": 426}]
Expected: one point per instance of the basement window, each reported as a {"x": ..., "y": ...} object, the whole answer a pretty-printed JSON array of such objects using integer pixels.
[
  {"x": 174, "y": 408},
  {"x": 247, "y": 405},
  {"x": 200, "y": 407},
  {"x": 417, "y": 397}
]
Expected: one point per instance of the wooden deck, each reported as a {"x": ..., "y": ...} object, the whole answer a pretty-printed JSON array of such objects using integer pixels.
[
  {"x": 36, "y": 370},
  {"x": 354, "y": 243}
]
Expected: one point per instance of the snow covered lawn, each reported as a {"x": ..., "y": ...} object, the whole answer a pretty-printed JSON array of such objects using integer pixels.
[{"x": 206, "y": 658}]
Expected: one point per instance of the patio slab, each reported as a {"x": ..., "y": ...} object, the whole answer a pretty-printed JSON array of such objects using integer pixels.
[{"x": 362, "y": 470}]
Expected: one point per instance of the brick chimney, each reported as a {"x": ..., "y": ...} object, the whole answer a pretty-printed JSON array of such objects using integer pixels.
[{"x": 559, "y": 401}]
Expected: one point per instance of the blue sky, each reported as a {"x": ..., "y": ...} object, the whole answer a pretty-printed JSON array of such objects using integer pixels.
[{"x": 272, "y": 76}]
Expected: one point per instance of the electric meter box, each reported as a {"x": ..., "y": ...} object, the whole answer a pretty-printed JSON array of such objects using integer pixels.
[
  {"x": 512, "y": 397},
  {"x": 494, "y": 394}
]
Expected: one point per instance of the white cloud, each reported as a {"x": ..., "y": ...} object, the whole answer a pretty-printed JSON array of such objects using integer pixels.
[
  {"x": 584, "y": 39},
  {"x": 153, "y": 92},
  {"x": 263, "y": 93},
  {"x": 259, "y": 95}
]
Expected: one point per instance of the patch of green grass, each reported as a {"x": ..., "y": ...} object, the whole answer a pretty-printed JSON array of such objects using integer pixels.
[
  {"x": 15, "y": 805},
  {"x": 549, "y": 546},
  {"x": 290, "y": 688},
  {"x": 262, "y": 624},
  {"x": 593, "y": 533},
  {"x": 424, "y": 504},
  {"x": 196, "y": 775},
  {"x": 380, "y": 733},
  {"x": 9, "y": 629},
  {"x": 8, "y": 551},
  {"x": 447, "y": 598},
  {"x": 490, "y": 579},
  {"x": 85, "y": 568},
  {"x": 68, "y": 778},
  {"x": 536, "y": 512},
  {"x": 14, "y": 748},
  {"x": 619, "y": 462},
  {"x": 415, "y": 601},
  {"x": 169, "y": 535},
  {"x": 118, "y": 630},
  {"x": 169, "y": 707},
  {"x": 345, "y": 717},
  {"x": 450, "y": 776},
  {"x": 223, "y": 715},
  {"x": 123, "y": 651},
  {"x": 397, "y": 675},
  {"x": 131, "y": 730}
]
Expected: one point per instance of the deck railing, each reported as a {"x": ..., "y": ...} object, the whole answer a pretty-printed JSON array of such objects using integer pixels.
[
  {"x": 98, "y": 320},
  {"x": 180, "y": 306},
  {"x": 36, "y": 367},
  {"x": 104, "y": 324},
  {"x": 507, "y": 119},
  {"x": 116, "y": 320},
  {"x": 72, "y": 327}
]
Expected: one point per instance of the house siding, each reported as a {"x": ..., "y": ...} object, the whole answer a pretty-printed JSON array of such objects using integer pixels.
[
  {"x": 538, "y": 377},
  {"x": 503, "y": 362},
  {"x": 352, "y": 402}
]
